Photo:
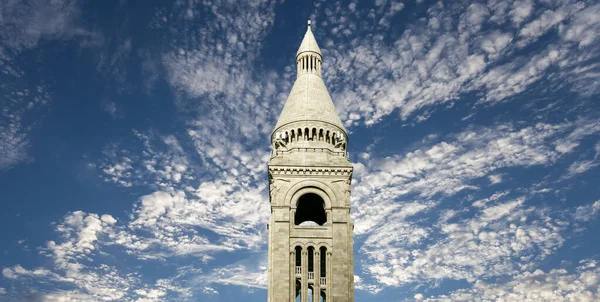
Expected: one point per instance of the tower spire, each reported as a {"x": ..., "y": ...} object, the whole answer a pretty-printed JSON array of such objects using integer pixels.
[
  {"x": 309, "y": 102},
  {"x": 309, "y": 57}
]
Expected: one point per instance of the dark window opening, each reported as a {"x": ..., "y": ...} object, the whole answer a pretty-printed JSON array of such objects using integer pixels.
[
  {"x": 310, "y": 207},
  {"x": 311, "y": 261},
  {"x": 298, "y": 256},
  {"x": 323, "y": 252}
]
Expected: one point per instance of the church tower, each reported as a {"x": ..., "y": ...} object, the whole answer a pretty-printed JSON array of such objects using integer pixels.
[{"x": 310, "y": 229}]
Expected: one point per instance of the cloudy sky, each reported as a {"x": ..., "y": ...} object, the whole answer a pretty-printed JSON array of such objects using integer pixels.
[{"x": 134, "y": 143}]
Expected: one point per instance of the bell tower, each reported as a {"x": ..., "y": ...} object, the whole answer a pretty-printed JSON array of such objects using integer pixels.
[{"x": 310, "y": 229}]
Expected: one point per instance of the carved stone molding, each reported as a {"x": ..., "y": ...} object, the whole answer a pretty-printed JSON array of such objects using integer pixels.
[{"x": 310, "y": 171}]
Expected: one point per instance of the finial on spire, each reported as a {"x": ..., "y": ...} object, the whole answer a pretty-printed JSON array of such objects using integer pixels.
[{"x": 309, "y": 44}]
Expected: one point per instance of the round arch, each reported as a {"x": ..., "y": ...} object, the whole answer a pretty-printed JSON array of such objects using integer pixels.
[
  {"x": 304, "y": 245},
  {"x": 309, "y": 186}
]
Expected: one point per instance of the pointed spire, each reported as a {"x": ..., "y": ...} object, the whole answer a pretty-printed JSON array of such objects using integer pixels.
[
  {"x": 309, "y": 104},
  {"x": 308, "y": 57},
  {"x": 309, "y": 44}
]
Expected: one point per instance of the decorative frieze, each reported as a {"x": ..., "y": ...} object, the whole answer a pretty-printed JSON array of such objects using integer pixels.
[{"x": 310, "y": 171}]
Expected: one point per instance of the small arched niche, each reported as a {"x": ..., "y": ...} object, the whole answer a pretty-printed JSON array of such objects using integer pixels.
[{"x": 310, "y": 210}]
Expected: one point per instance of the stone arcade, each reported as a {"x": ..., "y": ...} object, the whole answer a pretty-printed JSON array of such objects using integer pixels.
[{"x": 310, "y": 229}]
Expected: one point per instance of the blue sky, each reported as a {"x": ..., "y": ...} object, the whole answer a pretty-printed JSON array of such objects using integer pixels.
[{"x": 134, "y": 144}]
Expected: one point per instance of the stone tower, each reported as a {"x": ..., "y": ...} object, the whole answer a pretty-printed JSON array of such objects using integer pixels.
[{"x": 310, "y": 229}]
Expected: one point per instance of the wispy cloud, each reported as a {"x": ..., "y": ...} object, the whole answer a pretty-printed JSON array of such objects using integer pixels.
[
  {"x": 199, "y": 189},
  {"x": 24, "y": 25},
  {"x": 554, "y": 285},
  {"x": 207, "y": 190},
  {"x": 21, "y": 107},
  {"x": 395, "y": 199},
  {"x": 456, "y": 49}
]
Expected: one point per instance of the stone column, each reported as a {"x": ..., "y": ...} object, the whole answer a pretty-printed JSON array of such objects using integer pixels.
[
  {"x": 293, "y": 275},
  {"x": 317, "y": 270},
  {"x": 304, "y": 275},
  {"x": 329, "y": 276}
]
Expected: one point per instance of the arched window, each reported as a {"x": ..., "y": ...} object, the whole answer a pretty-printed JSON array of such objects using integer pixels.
[
  {"x": 310, "y": 210},
  {"x": 298, "y": 256}
]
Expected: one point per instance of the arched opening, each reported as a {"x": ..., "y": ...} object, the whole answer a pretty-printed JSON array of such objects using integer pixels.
[
  {"x": 323, "y": 296},
  {"x": 310, "y": 210},
  {"x": 298, "y": 260}
]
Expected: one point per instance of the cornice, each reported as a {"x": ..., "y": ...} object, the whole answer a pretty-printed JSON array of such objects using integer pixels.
[{"x": 335, "y": 171}]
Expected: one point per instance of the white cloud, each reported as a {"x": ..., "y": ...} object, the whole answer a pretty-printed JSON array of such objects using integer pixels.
[
  {"x": 19, "y": 106},
  {"x": 359, "y": 284},
  {"x": 448, "y": 166},
  {"x": 78, "y": 263},
  {"x": 521, "y": 10},
  {"x": 24, "y": 25},
  {"x": 455, "y": 49},
  {"x": 554, "y": 285},
  {"x": 539, "y": 26},
  {"x": 499, "y": 239},
  {"x": 498, "y": 236},
  {"x": 209, "y": 290},
  {"x": 583, "y": 129},
  {"x": 207, "y": 187},
  {"x": 495, "y": 178},
  {"x": 236, "y": 274},
  {"x": 584, "y": 28},
  {"x": 579, "y": 167},
  {"x": 587, "y": 212}
]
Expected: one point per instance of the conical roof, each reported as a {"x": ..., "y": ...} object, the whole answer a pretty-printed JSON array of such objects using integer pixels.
[
  {"x": 309, "y": 99},
  {"x": 309, "y": 43}
]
